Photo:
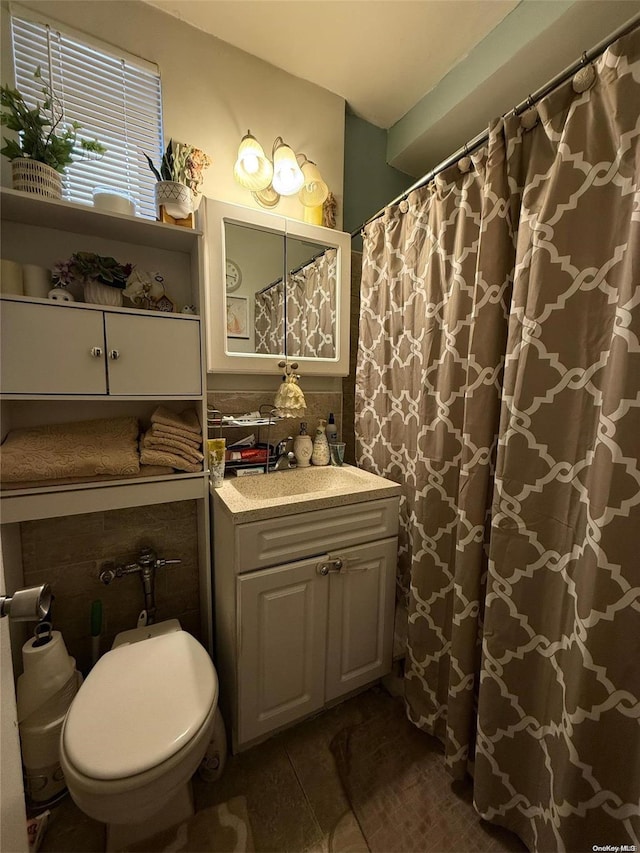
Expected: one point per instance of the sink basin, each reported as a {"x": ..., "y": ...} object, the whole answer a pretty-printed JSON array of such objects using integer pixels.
[
  {"x": 299, "y": 481},
  {"x": 299, "y": 489}
]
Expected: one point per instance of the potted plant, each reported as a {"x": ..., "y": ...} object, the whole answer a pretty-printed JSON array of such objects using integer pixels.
[
  {"x": 44, "y": 145},
  {"x": 103, "y": 278},
  {"x": 179, "y": 178}
]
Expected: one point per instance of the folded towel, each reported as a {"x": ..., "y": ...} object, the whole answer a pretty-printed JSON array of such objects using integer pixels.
[
  {"x": 187, "y": 420},
  {"x": 150, "y": 456},
  {"x": 172, "y": 445},
  {"x": 159, "y": 435},
  {"x": 190, "y": 438},
  {"x": 80, "y": 449},
  {"x": 145, "y": 471}
]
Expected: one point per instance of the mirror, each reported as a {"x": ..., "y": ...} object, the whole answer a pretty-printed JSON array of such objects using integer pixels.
[{"x": 284, "y": 289}]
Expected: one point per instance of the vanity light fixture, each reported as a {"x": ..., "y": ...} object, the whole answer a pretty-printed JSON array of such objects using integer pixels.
[{"x": 282, "y": 175}]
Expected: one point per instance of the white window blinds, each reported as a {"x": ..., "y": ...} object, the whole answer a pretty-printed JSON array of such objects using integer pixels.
[{"x": 114, "y": 100}]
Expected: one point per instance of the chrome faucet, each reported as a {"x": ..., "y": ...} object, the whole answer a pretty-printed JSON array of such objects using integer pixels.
[
  {"x": 145, "y": 566},
  {"x": 284, "y": 457}
]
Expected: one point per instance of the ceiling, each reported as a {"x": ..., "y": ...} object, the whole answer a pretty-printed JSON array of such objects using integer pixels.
[
  {"x": 431, "y": 72},
  {"x": 381, "y": 56}
]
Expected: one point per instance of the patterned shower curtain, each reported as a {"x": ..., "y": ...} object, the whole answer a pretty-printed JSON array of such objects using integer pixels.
[
  {"x": 557, "y": 756},
  {"x": 269, "y": 320},
  {"x": 311, "y": 308},
  {"x": 310, "y": 312}
]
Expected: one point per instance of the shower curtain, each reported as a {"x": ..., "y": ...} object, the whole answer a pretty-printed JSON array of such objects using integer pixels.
[
  {"x": 516, "y": 432},
  {"x": 310, "y": 311},
  {"x": 269, "y": 320},
  {"x": 311, "y": 308}
]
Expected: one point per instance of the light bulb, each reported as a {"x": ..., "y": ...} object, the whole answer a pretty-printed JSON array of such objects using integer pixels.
[
  {"x": 253, "y": 170},
  {"x": 287, "y": 175},
  {"x": 250, "y": 163},
  {"x": 314, "y": 191}
]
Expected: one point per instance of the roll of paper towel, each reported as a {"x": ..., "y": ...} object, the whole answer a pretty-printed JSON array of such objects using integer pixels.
[{"x": 47, "y": 668}]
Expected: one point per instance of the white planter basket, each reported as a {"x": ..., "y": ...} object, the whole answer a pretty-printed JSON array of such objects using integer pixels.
[
  {"x": 176, "y": 198},
  {"x": 30, "y": 176},
  {"x": 101, "y": 294}
]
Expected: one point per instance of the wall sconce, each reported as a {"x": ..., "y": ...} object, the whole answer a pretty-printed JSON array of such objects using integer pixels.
[{"x": 268, "y": 180}]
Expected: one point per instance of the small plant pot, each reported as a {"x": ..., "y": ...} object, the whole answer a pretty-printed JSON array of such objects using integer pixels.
[
  {"x": 176, "y": 198},
  {"x": 98, "y": 293},
  {"x": 30, "y": 176}
]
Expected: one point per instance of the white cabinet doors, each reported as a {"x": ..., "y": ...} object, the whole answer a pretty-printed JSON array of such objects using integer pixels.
[
  {"x": 50, "y": 349},
  {"x": 54, "y": 349},
  {"x": 307, "y": 638},
  {"x": 153, "y": 356},
  {"x": 281, "y": 661},
  {"x": 361, "y": 614}
]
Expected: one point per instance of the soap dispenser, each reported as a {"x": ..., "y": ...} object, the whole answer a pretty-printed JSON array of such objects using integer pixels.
[
  {"x": 303, "y": 447},
  {"x": 320, "y": 455}
]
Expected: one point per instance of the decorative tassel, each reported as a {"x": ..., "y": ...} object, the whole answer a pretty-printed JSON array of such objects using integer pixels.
[{"x": 289, "y": 401}]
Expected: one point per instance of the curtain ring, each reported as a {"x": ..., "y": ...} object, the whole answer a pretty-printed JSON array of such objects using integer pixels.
[
  {"x": 529, "y": 116},
  {"x": 585, "y": 76},
  {"x": 464, "y": 163}
]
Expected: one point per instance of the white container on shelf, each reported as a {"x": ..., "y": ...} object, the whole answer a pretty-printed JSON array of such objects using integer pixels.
[
  {"x": 112, "y": 201},
  {"x": 36, "y": 281}
]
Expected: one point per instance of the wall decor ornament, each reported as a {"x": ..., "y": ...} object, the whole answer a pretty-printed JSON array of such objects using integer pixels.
[
  {"x": 180, "y": 179},
  {"x": 238, "y": 317}
]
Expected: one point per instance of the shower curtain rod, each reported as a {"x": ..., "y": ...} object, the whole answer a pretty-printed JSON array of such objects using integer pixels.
[
  {"x": 292, "y": 272},
  {"x": 481, "y": 138}
]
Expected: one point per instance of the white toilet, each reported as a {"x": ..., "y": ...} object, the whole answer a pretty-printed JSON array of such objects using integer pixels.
[{"x": 137, "y": 731}]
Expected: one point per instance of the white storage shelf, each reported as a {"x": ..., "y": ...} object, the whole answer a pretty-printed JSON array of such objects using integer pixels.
[
  {"x": 66, "y": 216},
  {"x": 46, "y": 347}
]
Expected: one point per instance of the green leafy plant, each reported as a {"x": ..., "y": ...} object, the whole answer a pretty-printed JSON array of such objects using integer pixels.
[
  {"x": 182, "y": 163},
  {"x": 42, "y": 136},
  {"x": 86, "y": 266}
]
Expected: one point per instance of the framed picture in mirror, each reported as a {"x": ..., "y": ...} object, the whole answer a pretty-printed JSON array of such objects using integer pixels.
[{"x": 238, "y": 317}]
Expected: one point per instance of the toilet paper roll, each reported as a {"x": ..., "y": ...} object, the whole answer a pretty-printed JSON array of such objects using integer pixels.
[
  {"x": 46, "y": 670},
  {"x": 36, "y": 281},
  {"x": 11, "y": 277}
]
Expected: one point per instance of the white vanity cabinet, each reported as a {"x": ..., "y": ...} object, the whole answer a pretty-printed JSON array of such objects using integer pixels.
[
  {"x": 304, "y": 605},
  {"x": 91, "y": 351}
]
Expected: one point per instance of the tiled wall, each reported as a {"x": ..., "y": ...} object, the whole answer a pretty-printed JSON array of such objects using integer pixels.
[
  {"x": 348, "y": 383},
  {"x": 68, "y": 552}
]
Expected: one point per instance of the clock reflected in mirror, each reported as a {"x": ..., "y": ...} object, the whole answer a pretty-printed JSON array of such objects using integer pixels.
[{"x": 234, "y": 276}]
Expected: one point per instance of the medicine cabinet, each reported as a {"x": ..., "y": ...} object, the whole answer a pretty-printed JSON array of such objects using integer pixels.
[{"x": 274, "y": 288}]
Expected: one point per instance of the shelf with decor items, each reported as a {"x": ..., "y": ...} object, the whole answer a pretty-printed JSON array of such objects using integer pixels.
[{"x": 70, "y": 362}]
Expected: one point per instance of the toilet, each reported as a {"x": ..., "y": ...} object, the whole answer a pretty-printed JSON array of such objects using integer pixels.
[{"x": 137, "y": 731}]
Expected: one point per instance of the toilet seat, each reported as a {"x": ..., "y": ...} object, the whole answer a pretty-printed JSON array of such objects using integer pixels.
[{"x": 141, "y": 704}]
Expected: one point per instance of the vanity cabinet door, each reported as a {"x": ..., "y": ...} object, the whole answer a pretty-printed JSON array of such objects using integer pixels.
[
  {"x": 153, "y": 356},
  {"x": 282, "y": 620},
  {"x": 361, "y": 614},
  {"x": 51, "y": 349}
]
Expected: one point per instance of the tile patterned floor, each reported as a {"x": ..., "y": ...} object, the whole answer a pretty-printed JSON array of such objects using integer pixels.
[{"x": 294, "y": 796}]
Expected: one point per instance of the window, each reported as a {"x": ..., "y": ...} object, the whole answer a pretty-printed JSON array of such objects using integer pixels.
[{"x": 116, "y": 100}]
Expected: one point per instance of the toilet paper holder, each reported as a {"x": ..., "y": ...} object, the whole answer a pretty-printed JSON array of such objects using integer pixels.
[{"x": 27, "y": 605}]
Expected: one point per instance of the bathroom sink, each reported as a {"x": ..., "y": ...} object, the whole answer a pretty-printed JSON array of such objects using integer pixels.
[{"x": 299, "y": 489}]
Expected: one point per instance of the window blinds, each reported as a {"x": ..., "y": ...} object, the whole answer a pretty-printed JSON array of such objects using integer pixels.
[{"x": 115, "y": 101}]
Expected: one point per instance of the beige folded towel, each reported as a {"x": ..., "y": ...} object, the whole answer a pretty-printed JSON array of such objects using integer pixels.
[
  {"x": 80, "y": 449},
  {"x": 187, "y": 420},
  {"x": 178, "y": 447},
  {"x": 145, "y": 471},
  {"x": 190, "y": 438},
  {"x": 156, "y": 436},
  {"x": 151, "y": 456}
]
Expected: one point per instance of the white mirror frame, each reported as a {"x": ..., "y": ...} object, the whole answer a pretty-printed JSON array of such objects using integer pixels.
[{"x": 212, "y": 216}]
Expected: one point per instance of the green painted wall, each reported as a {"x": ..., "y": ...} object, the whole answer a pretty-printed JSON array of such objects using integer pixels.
[{"x": 369, "y": 182}]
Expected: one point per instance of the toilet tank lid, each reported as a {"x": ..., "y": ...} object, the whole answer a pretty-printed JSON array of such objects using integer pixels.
[{"x": 140, "y": 704}]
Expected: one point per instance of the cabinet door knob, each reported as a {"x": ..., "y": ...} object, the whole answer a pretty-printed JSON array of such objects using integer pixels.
[
  {"x": 114, "y": 354},
  {"x": 96, "y": 352}
]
